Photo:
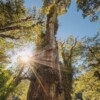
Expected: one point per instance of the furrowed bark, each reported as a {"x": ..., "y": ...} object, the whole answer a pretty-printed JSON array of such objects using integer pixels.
[{"x": 50, "y": 87}]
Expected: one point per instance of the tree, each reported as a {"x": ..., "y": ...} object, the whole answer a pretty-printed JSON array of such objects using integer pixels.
[
  {"x": 86, "y": 86},
  {"x": 51, "y": 28},
  {"x": 51, "y": 87},
  {"x": 70, "y": 50},
  {"x": 14, "y": 20}
]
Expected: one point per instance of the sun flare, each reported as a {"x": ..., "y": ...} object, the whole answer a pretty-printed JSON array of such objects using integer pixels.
[{"x": 24, "y": 56}]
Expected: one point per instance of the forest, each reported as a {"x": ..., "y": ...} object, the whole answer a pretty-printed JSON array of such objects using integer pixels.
[{"x": 35, "y": 64}]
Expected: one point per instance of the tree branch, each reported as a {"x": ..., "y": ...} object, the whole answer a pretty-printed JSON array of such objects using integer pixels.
[
  {"x": 8, "y": 36},
  {"x": 29, "y": 18},
  {"x": 71, "y": 51},
  {"x": 93, "y": 53},
  {"x": 25, "y": 78},
  {"x": 10, "y": 28}
]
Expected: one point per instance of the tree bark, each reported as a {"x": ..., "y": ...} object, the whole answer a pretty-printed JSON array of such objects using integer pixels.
[
  {"x": 48, "y": 85},
  {"x": 51, "y": 88}
]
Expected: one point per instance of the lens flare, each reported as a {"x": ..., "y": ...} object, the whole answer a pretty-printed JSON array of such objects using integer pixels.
[{"x": 24, "y": 56}]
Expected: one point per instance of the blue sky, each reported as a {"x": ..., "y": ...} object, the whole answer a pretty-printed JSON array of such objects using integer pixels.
[{"x": 72, "y": 23}]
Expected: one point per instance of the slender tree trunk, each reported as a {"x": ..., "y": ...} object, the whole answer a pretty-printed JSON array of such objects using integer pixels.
[{"x": 67, "y": 76}]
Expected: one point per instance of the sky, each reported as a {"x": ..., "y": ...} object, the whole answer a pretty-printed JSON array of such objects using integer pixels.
[{"x": 71, "y": 23}]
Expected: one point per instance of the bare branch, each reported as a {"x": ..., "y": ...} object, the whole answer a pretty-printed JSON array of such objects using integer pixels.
[{"x": 71, "y": 51}]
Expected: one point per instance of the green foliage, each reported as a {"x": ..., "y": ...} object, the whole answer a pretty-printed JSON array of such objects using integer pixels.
[
  {"x": 92, "y": 50},
  {"x": 9, "y": 85},
  {"x": 5, "y": 75},
  {"x": 20, "y": 91},
  {"x": 11, "y": 11},
  {"x": 5, "y": 45},
  {"x": 71, "y": 48},
  {"x": 15, "y": 22},
  {"x": 89, "y": 85},
  {"x": 59, "y": 5},
  {"x": 89, "y": 8},
  {"x": 39, "y": 37}
]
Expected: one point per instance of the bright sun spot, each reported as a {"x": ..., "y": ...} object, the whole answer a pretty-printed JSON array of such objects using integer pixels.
[{"x": 24, "y": 56}]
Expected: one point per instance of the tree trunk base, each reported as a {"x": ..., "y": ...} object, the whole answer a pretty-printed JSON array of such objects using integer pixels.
[{"x": 47, "y": 86}]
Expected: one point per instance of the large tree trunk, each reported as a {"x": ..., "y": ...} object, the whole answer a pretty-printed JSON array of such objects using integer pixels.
[
  {"x": 50, "y": 89},
  {"x": 47, "y": 85}
]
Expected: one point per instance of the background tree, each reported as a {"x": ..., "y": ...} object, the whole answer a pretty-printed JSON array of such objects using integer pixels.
[
  {"x": 89, "y": 8},
  {"x": 70, "y": 51},
  {"x": 86, "y": 85}
]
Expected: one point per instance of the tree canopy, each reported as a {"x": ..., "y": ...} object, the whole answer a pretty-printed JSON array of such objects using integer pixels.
[{"x": 89, "y": 8}]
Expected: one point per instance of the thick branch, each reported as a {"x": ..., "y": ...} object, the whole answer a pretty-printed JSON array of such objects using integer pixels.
[
  {"x": 10, "y": 28},
  {"x": 7, "y": 36},
  {"x": 20, "y": 21},
  {"x": 25, "y": 78}
]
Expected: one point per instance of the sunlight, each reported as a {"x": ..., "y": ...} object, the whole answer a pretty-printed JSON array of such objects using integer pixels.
[{"x": 24, "y": 56}]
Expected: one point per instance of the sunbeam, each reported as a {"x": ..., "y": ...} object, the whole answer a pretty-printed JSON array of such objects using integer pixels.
[
  {"x": 24, "y": 56},
  {"x": 37, "y": 76}
]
